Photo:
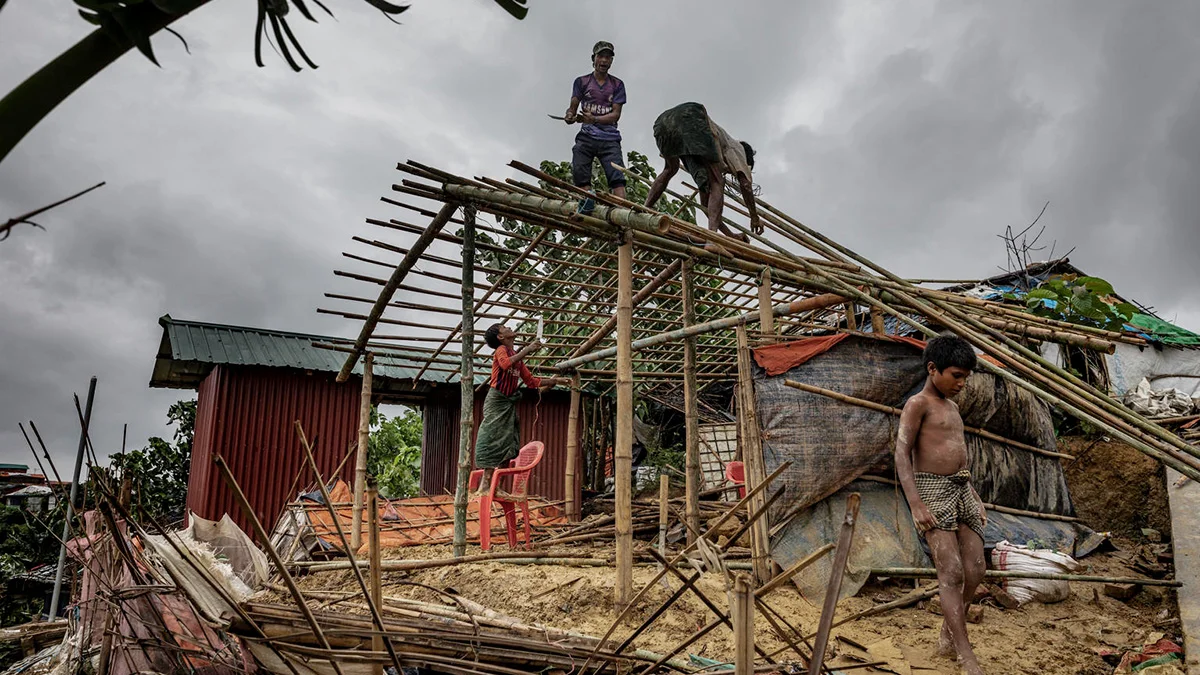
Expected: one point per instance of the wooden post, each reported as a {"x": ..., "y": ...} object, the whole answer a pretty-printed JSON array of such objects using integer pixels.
[
  {"x": 572, "y": 480},
  {"x": 364, "y": 440},
  {"x": 623, "y": 451},
  {"x": 851, "y": 316},
  {"x": 376, "y": 557},
  {"x": 664, "y": 511},
  {"x": 743, "y": 626},
  {"x": 466, "y": 377},
  {"x": 840, "y": 556},
  {"x": 751, "y": 444},
  {"x": 766, "y": 319}
]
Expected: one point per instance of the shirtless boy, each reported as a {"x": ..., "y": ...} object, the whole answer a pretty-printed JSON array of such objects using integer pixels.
[{"x": 931, "y": 462}]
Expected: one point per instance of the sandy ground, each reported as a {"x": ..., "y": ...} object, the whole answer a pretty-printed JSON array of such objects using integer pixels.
[{"x": 1057, "y": 638}]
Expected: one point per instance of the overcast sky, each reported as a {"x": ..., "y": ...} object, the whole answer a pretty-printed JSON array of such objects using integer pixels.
[{"x": 913, "y": 132}]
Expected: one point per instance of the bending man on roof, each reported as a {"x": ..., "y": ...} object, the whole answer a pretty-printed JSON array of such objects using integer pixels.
[
  {"x": 685, "y": 134},
  {"x": 499, "y": 433},
  {"x": 598, "y": 97}
]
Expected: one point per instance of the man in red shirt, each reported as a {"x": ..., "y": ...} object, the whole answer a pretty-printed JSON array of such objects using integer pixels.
[{"x": 499, "y": 436}]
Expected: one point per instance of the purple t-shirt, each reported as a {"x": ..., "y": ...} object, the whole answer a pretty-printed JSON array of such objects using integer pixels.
[{"x": 597, "y": 99}]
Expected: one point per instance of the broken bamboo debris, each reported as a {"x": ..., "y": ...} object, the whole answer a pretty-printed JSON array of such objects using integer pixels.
[
  {"x": 375, "y": 555},
  {"x": 265, "y": 540},
  {"x": 863, "y": 403},
  {"x": 729, "y": 513},
  {"x": 349, "y": 551},
  {"x": 845, "y": 537}
]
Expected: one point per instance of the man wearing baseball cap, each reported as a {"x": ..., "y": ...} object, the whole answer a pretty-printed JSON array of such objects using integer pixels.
[{"x": 596, "y": 102}]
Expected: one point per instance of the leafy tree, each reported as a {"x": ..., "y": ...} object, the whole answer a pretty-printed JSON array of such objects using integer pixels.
[
  {"x": 159, "y": 471},
  {"x": 1079, "y": 299},
  {"x": 394, "y": 453},
  {"x": 124, "y": 24}
]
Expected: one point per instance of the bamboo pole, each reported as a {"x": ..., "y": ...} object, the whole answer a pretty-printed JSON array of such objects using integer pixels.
[
  {"x": 930, "y": 573},
  {"x": 376, "y": 555},
  {"x": 265, "y": 540},
  {"x": 644, "y": 292},
  {"x": 766, "y": 319},
  {"x": 623, "y": 464},
  {"x": 350, "y": 552},
  {"x": 664, "y": 513},
  {"x": 364, "y": 441},
  {"x": 871, "y": 405},
  {"x": 877, "y": 325},
  {"x": 743, "y": 626},
  {"x": 385, "y": 296},
  {"x": 693, "y": 479},
  {"x": 785, "y": 576},
  {"x": 835, "y": 583},
  {"x": 572, "y": 468},
  {"x": 751, "y": 442},
  {"x": 784, "y": 309},
  {"x": 466, "y": 387}
]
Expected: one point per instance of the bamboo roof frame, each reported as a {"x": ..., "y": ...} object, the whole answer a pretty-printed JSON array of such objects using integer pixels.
[{"x": 561, "y": 269}]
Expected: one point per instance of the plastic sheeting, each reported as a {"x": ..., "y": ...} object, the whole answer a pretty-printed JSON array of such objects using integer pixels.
[
  {"x": 830, "y": 443},
  {"x": 884, "y": 536},
  {"x": 1130, "y": 363}
]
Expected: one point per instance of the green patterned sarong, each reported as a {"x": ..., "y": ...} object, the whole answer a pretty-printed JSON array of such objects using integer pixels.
[{"x": 499, "y": 432}]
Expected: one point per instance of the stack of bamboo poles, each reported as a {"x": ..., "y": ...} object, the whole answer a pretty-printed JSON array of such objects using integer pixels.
[{"x": 462, "y": 638}]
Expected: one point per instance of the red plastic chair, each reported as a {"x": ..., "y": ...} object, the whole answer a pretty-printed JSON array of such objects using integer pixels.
[
  {"x": 519, "y": 469},
  {"x": 735, "y": 472}
]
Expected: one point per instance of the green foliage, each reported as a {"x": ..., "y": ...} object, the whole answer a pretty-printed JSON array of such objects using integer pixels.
[
  {"x": 26, "y": 541},
  {"x": 394, "y": 453},
  {"x": 1081, "y": 300},
  {"x": 128, "y": 22},
  {"x": 159, "y": 471}
]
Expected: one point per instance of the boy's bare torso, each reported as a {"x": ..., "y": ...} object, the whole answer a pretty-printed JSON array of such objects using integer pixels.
[{"x": 940, "y": 446}]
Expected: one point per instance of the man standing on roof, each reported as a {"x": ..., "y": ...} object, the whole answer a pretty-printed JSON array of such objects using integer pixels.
[
  {"x": 598, "y": 97},
  {"x": 685, "y": 134}
]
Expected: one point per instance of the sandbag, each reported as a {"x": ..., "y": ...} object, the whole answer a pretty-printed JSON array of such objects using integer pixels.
[{"x": 1017, "y": 558}]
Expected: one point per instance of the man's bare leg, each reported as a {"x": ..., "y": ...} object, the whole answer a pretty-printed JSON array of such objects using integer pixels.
[
  {"x": 949, "y": 564},
  {"x": 619, "y": 191}
]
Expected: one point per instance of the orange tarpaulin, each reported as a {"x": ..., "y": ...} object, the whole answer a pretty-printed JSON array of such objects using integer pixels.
[
  {"x": 780, "y": 358},
  {"x": 418, "y": 520}
]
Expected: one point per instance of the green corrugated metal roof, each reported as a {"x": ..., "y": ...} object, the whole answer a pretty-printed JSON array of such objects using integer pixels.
[{"x": 189, "y": 349}]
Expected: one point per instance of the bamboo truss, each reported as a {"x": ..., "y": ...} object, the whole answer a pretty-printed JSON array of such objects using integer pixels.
[{"x": 664, "y": 328}]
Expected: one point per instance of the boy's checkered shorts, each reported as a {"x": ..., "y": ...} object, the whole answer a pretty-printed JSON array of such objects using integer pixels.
[{"x": 950, "y": 500}]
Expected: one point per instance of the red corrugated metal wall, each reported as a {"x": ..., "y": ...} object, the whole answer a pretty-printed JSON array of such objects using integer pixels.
[
  {"x": 545, "y": 421},
  {"x": 247, "y": 415}
]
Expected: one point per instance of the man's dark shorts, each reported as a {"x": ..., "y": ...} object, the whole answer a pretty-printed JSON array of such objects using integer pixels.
[{"x": 586, "y": 148}]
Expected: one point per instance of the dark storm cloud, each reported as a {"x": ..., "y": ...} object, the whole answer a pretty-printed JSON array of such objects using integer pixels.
[{"x": 913, "y": 133}]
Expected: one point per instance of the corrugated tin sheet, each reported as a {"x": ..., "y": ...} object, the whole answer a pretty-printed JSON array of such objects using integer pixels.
[
  {"x": 247, "y": 415},
  {"x": 189, "y": 349},
  {"x": 541, "y": 420}
]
